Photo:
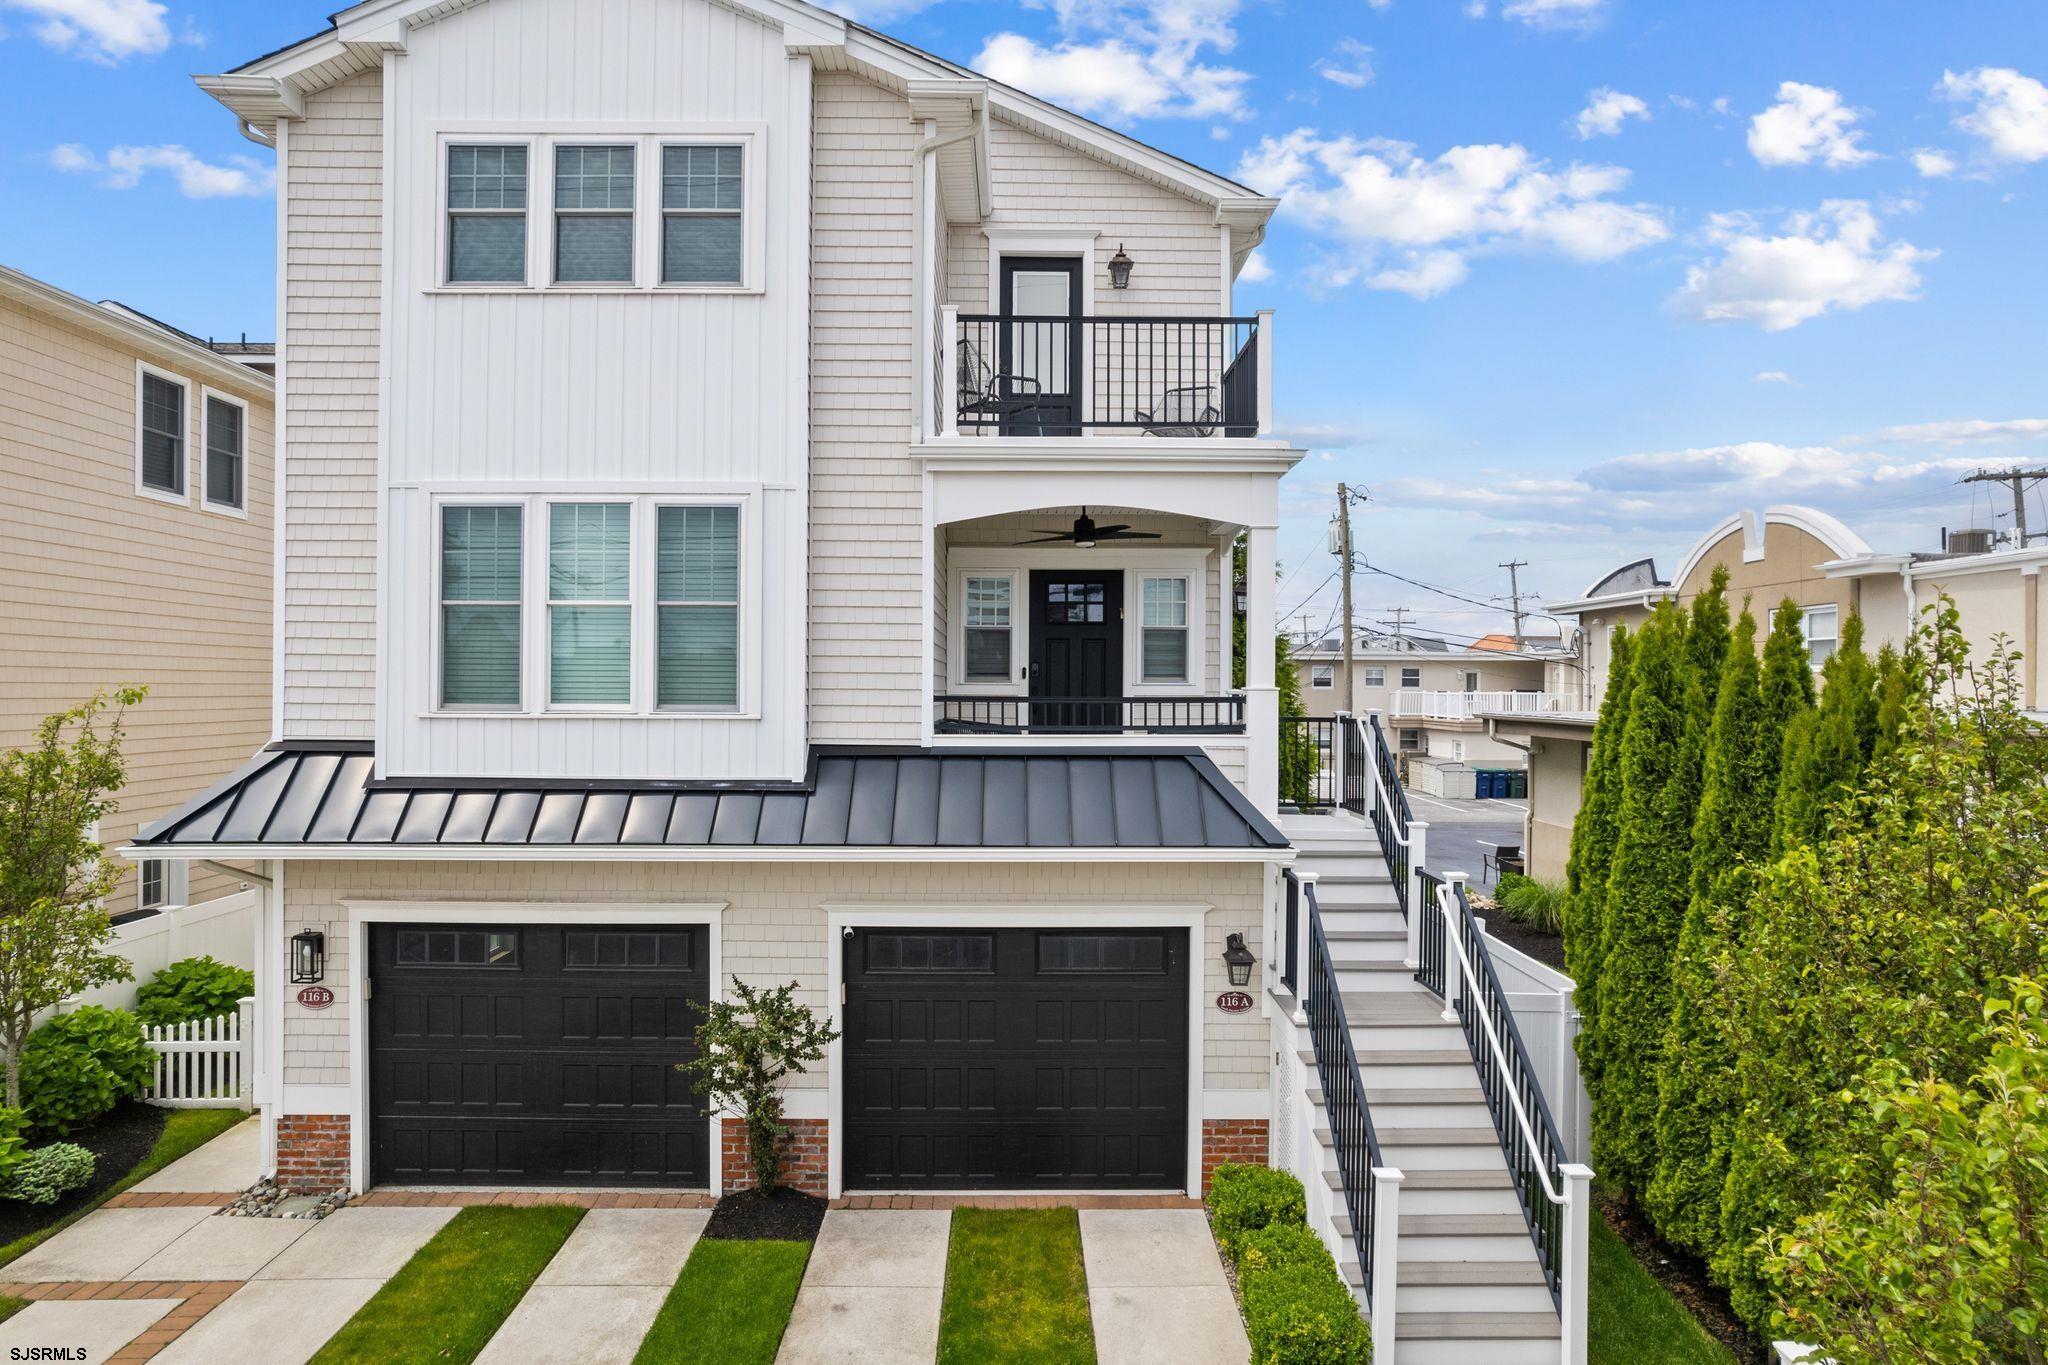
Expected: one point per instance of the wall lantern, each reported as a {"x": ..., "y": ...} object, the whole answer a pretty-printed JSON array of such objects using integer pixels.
[
  {"x": 309, "y": 956},
  {"x": 1243, "y": 597},
  {"x": 1238, "y": 959},
  {"x": 1120, "y": 269}
]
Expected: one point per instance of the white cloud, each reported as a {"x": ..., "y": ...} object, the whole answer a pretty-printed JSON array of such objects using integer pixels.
[
  {"x": 1606, "y": 110},
  {"x": 104, "y": 31},
  {"x": 1775, "y": 377},
  {"x": 1555, "y": 13},
  {"x": 2009, "y": 113},
  {"x": 1349, "y": 65},
  {"x": 123, "y": 168},
  {"x": 1382, "y": 6},
  {"x": 1808, "y": 122},
  {"x": 1129, "y": 59},
  {"x": 1933, "y": 163},
  {"x": 1833, "y": 258},
  {"x": 1967, "y": 431},
  {"x": 1255, "y": 269},
  {"x": 1409, "y": 223}
]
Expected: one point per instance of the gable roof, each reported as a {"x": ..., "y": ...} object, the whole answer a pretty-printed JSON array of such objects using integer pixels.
[
  {"x": 321, "y": 798},
  {"x": 123, "y": 326},
  {"x": 274, "y": 86}
]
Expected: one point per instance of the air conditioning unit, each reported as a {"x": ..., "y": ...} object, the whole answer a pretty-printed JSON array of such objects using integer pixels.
[{"x": 1972, "y": 542}]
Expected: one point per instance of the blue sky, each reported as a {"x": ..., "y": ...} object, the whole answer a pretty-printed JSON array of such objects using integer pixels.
[{"x": 1557, "y": 280}]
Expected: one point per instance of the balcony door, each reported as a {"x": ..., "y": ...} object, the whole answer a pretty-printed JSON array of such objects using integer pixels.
[
  {"x": 1077, "y": 650},
  {"x": 1046, "y": 351}
]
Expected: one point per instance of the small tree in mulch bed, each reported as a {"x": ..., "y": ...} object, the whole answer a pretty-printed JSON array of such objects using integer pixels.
[{"x": 746, "y": 1048}]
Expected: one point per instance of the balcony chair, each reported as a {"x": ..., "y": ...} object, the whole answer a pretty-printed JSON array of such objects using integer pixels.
[
  {"x": 986, "y": 392},
  {"x": 1189, "y": 410}
]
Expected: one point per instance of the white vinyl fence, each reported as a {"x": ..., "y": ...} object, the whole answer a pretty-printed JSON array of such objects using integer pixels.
[
  {"x": 203, "y": 1063},
  {"x": 223, "y": 928},
  {"x": 1541, "y": 999}
]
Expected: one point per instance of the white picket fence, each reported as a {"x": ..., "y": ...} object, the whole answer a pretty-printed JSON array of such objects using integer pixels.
[{"x": 203, "y": 1063}]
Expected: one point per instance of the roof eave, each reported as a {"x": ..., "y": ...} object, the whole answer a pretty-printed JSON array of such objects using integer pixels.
[{"x": 132, "y": 330}]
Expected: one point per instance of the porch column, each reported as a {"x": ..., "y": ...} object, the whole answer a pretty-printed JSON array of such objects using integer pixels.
[{"x": 1261, "y": 696}]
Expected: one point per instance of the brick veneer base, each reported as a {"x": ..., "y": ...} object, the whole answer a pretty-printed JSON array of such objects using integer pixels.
[
  {"x": 804, "y": 1163},
  {"x": 312, "y": 1152},
  {"x": 1240, "y": 1140}
]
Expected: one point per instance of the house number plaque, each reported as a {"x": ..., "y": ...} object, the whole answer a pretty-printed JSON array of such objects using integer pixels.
[
  {"x": 1233, "y": 1002},
  {"x": 316, "y": 997}
]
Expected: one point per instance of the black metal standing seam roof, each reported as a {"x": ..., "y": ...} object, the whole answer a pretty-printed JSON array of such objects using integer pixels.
[{"x": 305, "y": 794}]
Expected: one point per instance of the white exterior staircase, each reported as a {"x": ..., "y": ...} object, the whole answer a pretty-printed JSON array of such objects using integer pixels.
[{"x": 1460, "y": 1280}]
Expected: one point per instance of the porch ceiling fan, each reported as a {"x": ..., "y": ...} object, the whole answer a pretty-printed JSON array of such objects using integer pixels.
[{"x": 1086, "y": 534}]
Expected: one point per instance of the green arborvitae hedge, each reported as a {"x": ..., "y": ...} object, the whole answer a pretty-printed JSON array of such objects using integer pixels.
[
  {"x": 1826, "y": 750},
  {"x": 1592, "y": 851},
  {"x": 1646, "y": 899}
]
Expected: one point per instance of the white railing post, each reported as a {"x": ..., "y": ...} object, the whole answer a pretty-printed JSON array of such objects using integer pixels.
[
  {"x": 1386, "y": 1249},
  {"x": 1455, "y": 947},
  {"x": 1578, "y": 1216},
  {"x": 1303, "y": 943},
  {"x": 1418, "y": 852},
  {"x": 1265, "y": 372},
  {"x": 949, "y": 370},
  {"x": 245, "y": 1030},
  {"x": 1337, "y": 760}
]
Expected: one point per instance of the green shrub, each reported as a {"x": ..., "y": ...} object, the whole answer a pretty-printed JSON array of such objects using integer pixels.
[
  {"x": 193, "y": 988},
  {"x": 13, "y": 1143},
  {"x": 79, "y": 1065},
  {"x": 1538, "y": 904},
  {"x": 1245, "y": 1198},
  {"x": 1303, "y": 1314},
  {"x": 1279, "y": 1245},
  {"x": 48, "y": 1174}
]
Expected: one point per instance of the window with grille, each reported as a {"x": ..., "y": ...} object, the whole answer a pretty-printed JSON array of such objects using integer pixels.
[
  {"x": 702, "y": 235},
  {"x": 457, "y": 948},
  {"x": 486, "y": 214},
  {"x": 912, "y": 952},
  {"x": 1165, "y": 643},
  {"x": 594, "y": 215},
  {"x": 988, "y": 629}
]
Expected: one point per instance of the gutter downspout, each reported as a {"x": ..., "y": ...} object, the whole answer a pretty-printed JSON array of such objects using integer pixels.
[{"x": 248, "y": 130}]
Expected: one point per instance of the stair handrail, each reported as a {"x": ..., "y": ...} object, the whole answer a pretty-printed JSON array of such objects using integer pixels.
[
  {"x": 1370, "y": 1186},
  {"x": 1384, "y": 804},
  {"x": 1458, "y": 967}
]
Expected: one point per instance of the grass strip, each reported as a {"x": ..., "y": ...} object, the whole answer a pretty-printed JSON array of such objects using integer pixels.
[
  {"x": 730, "y": 1305},
  {"x": 1632, "y": 1318},
  {"x": 1016, "y": 1289},
  {"x": 185, "y": 1131},
  {"x": 446, "y": 1301},
  {"x": 9, "y": 1307}
]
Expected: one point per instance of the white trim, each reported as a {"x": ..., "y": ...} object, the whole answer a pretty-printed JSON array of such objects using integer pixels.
[
  {"x": 444, "y": 235},
  {"x": 280, "y": 486},
  {"x": 186, "y": 421},
  {"x": 207, "y": 393},
  {"x": 1052, "y": 242},
  {"x": 1239, "y": 1104},
  {"x": 130, "y": 329},
  {"x": 363, "y": 913},
  {"x": 1840, "y": 541},
  {"x": 843, "y": 917},
  {"x": 724, "y": 853}
]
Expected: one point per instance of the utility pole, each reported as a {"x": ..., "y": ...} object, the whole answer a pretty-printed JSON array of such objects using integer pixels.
[
  {"x": 2017, "y": 480},
  {"x": 1515, "y": 593},
  {"x": 1399, "y": 614},
  {"x": 1344, "y": 569}
]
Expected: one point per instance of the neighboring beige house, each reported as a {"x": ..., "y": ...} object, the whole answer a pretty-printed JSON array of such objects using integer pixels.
[
  {"x": 1780, "y": 553},
  {"x": 135, "y": 547}
]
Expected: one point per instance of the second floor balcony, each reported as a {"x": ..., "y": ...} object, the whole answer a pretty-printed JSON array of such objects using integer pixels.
[
  {"x": 1414, "y": 704},
  {"x": 1048, "y": 375}
]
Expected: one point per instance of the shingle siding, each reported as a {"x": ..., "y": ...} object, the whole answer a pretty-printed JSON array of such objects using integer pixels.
[{"x": 334, "y": 230}]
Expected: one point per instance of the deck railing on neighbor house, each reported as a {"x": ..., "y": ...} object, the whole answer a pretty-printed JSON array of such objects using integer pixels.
[
  {"x": 1417, "y": 705},
  {"x": 1030, "y": 375},
  {"x": 970, "y": 715}
]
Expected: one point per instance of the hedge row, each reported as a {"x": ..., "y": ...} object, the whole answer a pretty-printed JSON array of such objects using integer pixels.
[{"x": 1297, "y": 1308}]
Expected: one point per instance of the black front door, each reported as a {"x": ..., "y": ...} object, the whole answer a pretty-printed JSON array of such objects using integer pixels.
[
  {"x": 536, "y": 1054},
  {"x": 1077, "y": 650},
  {"x": 1041, "y": 355},
  {"x": 1015, "y": 1059}
]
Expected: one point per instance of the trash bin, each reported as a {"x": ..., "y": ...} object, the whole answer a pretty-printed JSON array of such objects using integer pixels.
[
  {"x": 1518, "y": 784},
  {"x": 1483, "y": 784}
]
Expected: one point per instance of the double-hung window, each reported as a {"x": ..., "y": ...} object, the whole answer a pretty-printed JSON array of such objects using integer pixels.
[
  {"x": 1322, "y": 675},
  {"x": 1823, "y": 627},
  {"x": 161, "y": 883},
  {"x": 590, "y": 613},
  {"x": 594, "y": 214},
  {"x": 481, "y": 581},
  {"x": 1411, "y": 677},
  {"x": 987, "y": 629},
  {"x": 226, "y": 440},
  {"x": 486, "y": 214},
  {"x": 702, "y": 241},
  {"x": 1165, "y": 646},
  {"x": 697, "y": 605},
  {"x": 160, "y": 434},
  {"x": 1375, "y": 675}
]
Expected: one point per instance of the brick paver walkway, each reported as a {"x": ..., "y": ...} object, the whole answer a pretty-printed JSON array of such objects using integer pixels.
[{"x": 198, "y": 1298}]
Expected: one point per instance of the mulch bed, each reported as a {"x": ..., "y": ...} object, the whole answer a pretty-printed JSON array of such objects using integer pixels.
[
  {"x": 1545, "y": 948},
  {"x": 117, "y": 1142},
  {"x": 749, "y": 1216},
  {"x": 1684, "y": 1276}
]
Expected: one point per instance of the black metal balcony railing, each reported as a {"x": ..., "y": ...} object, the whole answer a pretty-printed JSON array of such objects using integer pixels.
[
  {"x": 1308, "y": 762},
  {"x": 1089, "y": 715},
  {"x": 1051, "y": 376}
]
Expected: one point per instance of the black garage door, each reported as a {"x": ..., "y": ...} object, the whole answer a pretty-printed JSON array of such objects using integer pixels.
[
  {"x": 1016, "y": 1059},
  {"x": 536, "y": 1054}
]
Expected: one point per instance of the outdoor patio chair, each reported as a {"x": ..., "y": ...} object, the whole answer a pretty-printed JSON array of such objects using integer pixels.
[
  {"x": 986, "y": 392},
  {"x": 1185, "y": 411}
]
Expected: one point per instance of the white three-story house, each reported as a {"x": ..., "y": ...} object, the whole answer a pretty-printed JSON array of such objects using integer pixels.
[{"x": 757, "y": 501}]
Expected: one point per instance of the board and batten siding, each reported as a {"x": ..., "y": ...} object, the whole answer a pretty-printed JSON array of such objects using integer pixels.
[
  {"x": 332, "y": 183},
  {"x": 1178, "y": 248},
  {"x": 596, "y": 391},
  {"x": 101, "y": 586},
  {"x": 867, "y": 678}
]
